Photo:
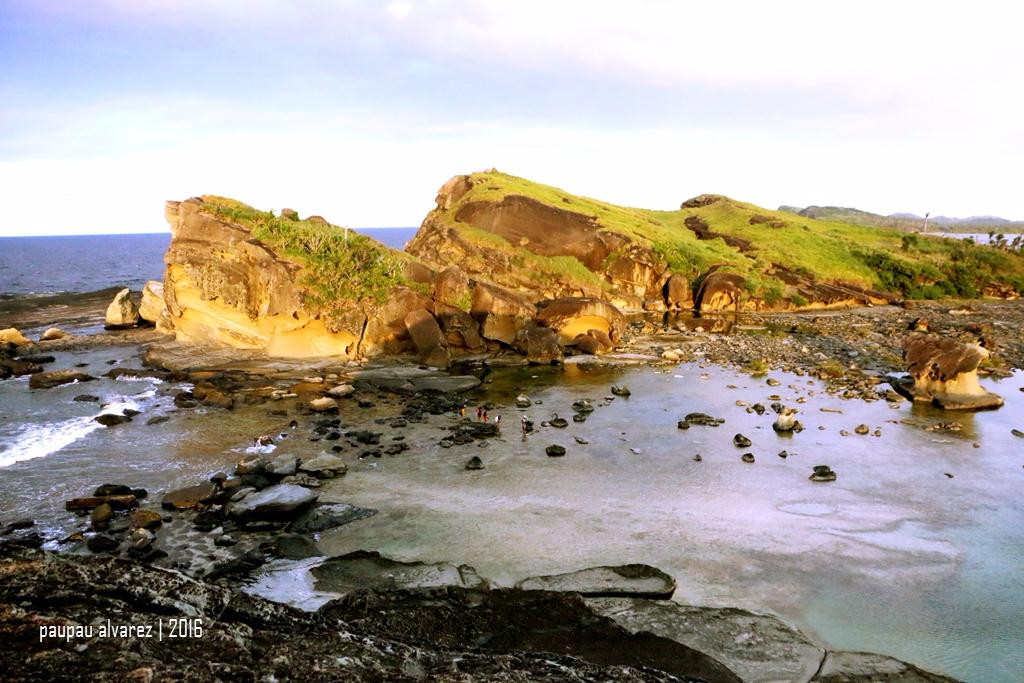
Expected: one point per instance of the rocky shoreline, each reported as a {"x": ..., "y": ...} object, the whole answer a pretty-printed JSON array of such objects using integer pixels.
[{"x": 209, "y": 531}]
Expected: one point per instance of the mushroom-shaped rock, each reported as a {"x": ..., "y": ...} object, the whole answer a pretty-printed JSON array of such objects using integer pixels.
[
  {"x": 573, "y": 316},
  {"x": 944, "y": 372},
  {"x": 719, "y": 291},
  {"x": 122, "y": 311}
]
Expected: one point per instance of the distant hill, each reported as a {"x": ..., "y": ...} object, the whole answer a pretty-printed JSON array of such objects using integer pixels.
[{"x": 907, "y": 221}]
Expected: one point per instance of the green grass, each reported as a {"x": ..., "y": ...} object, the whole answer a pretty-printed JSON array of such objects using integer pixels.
[
  {"x": 338, "y": 271},
  {"x": 829, "y": 251}
]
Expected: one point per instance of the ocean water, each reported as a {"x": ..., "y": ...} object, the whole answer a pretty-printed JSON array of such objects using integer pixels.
[{"x": 86, "y": 263}]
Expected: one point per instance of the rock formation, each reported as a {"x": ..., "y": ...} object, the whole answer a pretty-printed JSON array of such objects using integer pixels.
[
  {"x": 122, "y": 311},
  {"x": 944, "y": 372},
  {"x": 153, "y": 309}
]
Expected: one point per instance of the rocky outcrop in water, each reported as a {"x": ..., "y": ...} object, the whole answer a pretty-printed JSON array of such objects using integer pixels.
[
  {"x": 944, "y": 371},
  {"x": 122, "y": 311}
]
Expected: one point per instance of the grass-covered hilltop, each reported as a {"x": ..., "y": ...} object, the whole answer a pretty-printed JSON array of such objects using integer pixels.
[
  {"x": 505, "y": 263},
  {"x": 530, "y": 235}
]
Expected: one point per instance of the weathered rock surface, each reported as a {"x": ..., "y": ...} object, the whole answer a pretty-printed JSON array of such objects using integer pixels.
[
  {"x": 12, "y": 335},
  {"x": 944, "y": 372},
  {"x": 281, "y": 501},
  {"x": 368, "y": 569},
  {"x": 52, "y": 334},
  {"x": 122, "y": 311},
  {"x": 719, "y": 291},
  {"x": 428, "y": 339},
  {"x": 628, "y": 580},
  {"x": 152, "y": 307}
]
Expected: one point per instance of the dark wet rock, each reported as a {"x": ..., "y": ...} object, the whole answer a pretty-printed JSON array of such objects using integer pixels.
[
  {"x": 559, "y": 422},
  {"x": 1018, "y": 433},
  {"x": 579, "y": 417},
  {"x": 364, "y": 569},
  {"x": 758, "y": 408},
  {"x": 55, "y": 378},
  {"x": 158, "y": 419},
  {"x": 86, "y": 398},
  {"x": 239, "y": 565},
  {"x": 293, "y": 547},
  {"x": 140, "y": 493},
  {"x": 38, "y": 359},
  {"x": 862, "y": 429},
  {"x": 146, "y": 519},
  {"x": 111, "y": 419},
  {"x": 113, "y": 490},
  {"x": 324, "y": 516},
  {"x": 823, "y": 473},
  {"x": 185, "y": 399},
  {"x": 621, "y": 390},
  {"x": 783, "y": 454},
  {"x": 628, "y": 580},
  {"x": 555, "y": 451},
  {"x": 583, "y": 406},
  {"x": 18, "y": 525},
  {"x": 683, "y": 424},
  {"x": 101, "y": 543},
  {"x": 256, "y": 481},
  {"x": 365, "y": 437},
  {"x": 511, "y": 622},
  {"x": 208, "y": 520},
  {"x": 703, "y": 419},
  {"x": 90, "y": 502},
  {"x": 211, "y": 396},
  {"x": 747, "y": 457},
  {"x": 741, "y": 441},
  {"x": 475, "y": 463},
  {"x": 697, "y": 458},
  {"x": 189, "y": 497},
  {"x": 523, "y": 401},
  {"x": 279, "y": 502},
  {"x": 225, "y": 541},
  {"x": 100, "y": 516}
]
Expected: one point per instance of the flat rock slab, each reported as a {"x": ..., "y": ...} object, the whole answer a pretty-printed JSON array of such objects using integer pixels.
[
  {"x": 189, "y": 497},
  {"x": 628, "y": 580},
  {"x": 755, "y": 647},
  {"x": 326, "y": 516},
  {"x": 368, "y": 569},
  {"x": 281, "y": 501},
  {"x": 845, "y": 667},
  {"x": 411, "y": 378}
]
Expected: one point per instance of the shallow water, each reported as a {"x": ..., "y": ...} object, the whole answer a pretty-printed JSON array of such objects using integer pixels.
[{"x": 894, "y": 557}]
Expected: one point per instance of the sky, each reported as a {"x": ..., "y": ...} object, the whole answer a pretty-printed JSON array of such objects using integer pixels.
[{"x": 359, "y": 111}]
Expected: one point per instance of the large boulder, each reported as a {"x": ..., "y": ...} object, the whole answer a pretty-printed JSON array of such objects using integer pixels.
[
  {"x": 12, "y": 335},
  {"x": 501, "y": 313},
  {"x": 571, "y": 317},
  {"x": 386, "y": 331},
  {"x": 122, "y": 311},
  {"x": 539, "y": 344},
  {"x": 452, "y": 287},
  {"x": 427, "y": 338},
  {"x": 152, "y": 306},
  {"x": 719, "y": 291},
  {"x": 944, "y": 372},
  {"x": 459, "y": 327},
  {"x": 678, "y": 292},
  {"x": 281, "y": 501}
]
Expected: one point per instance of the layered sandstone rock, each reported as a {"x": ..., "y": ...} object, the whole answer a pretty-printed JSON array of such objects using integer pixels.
[
  {"x": 224, "y": 287},
  {"x": 944, "y": 372},
  {"x": 152, "y": 306},
  {"x": 720, "y": 291}
]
